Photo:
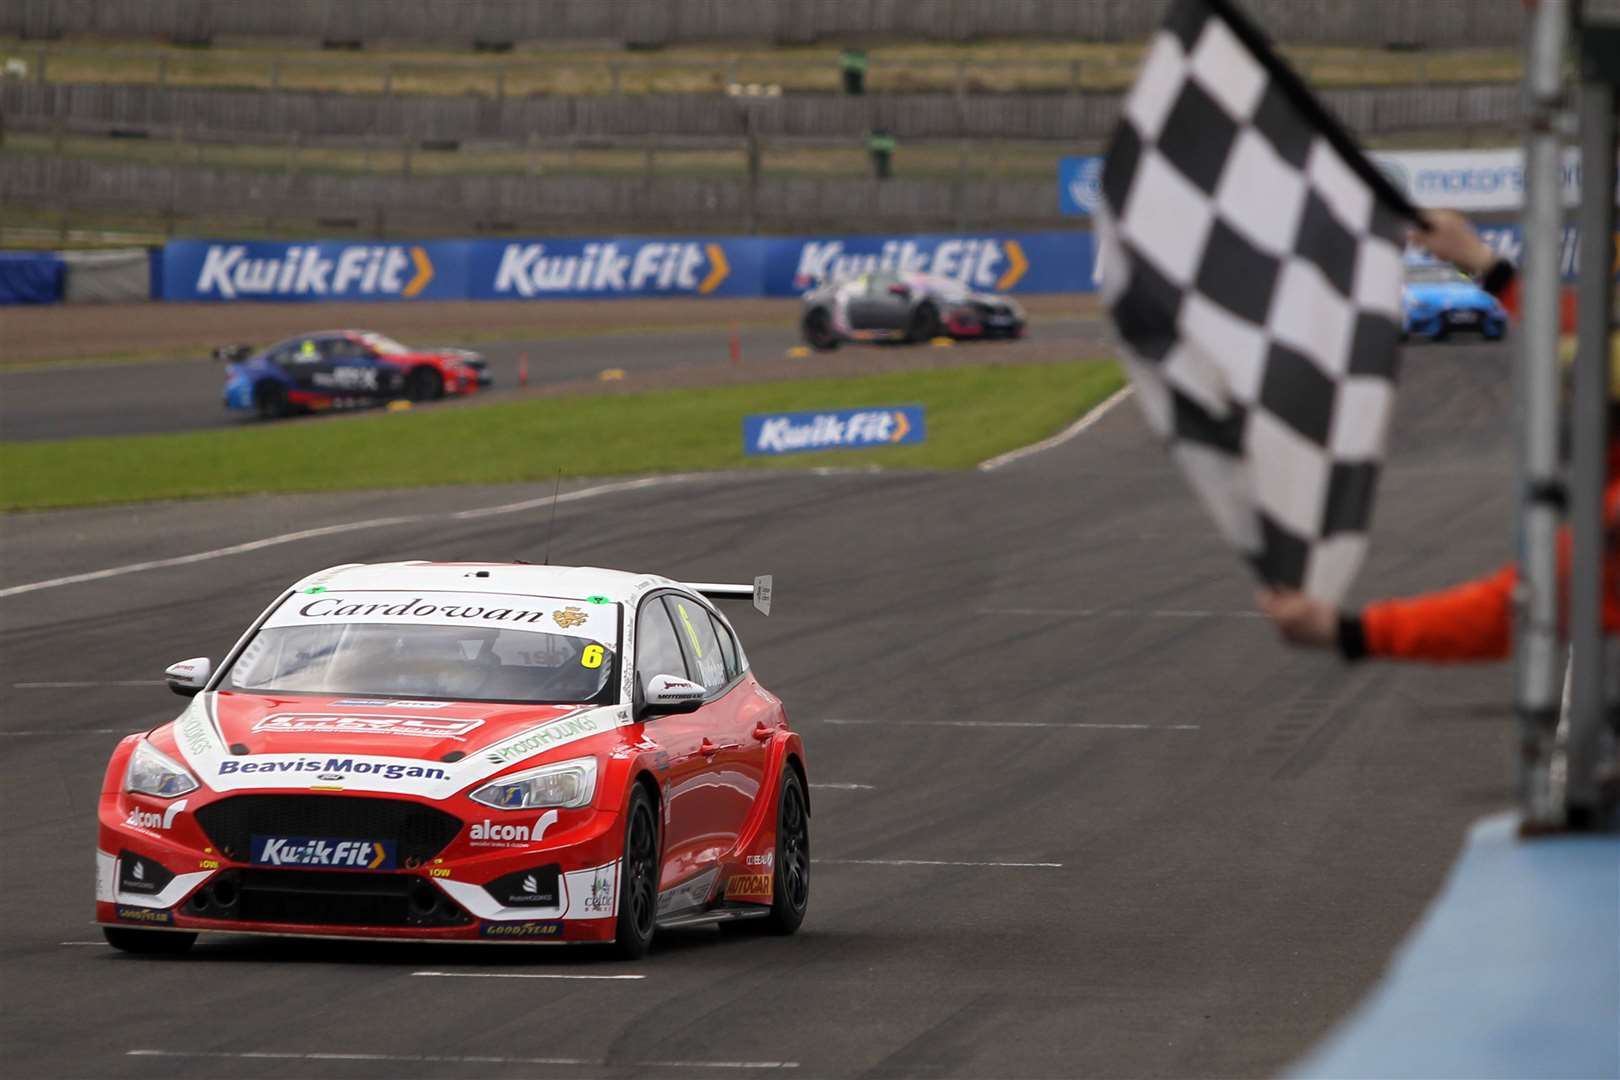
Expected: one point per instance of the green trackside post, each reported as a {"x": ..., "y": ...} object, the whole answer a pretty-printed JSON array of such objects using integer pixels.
[
  {"x": 880, "y": 144},
  {"x": 853, "y": 63}
]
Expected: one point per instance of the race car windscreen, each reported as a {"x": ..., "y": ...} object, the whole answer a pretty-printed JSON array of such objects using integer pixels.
[{"x": 459, "y": 646}]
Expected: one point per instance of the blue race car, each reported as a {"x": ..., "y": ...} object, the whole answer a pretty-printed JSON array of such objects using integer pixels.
[{"x": 1439, "y": 300}]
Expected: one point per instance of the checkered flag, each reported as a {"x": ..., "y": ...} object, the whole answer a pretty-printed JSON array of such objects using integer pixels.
[{"x": 1252, "y": 260}]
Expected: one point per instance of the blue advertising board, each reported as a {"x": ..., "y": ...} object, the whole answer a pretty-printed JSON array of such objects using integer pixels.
[
  {"x": 1508, "y": 243},
  {"x": 1079, "y": 184},
  {"x": 605, "y": 267},
  {"x": 833, "y": 429}
]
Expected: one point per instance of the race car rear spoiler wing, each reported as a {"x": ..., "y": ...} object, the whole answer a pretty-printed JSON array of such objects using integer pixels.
[
  {"x": 232, "y": 353},
  {"x": 759, "y": 592}
]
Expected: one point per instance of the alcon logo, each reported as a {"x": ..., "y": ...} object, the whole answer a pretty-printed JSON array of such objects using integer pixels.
[
  {"x": 488, "y": 833},
  {"x": 147, "y": 819}
]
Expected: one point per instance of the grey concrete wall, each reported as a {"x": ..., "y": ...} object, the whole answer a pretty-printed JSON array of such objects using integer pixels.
[
  {"x": 270, "y": 116},
  {"x": 655, "y": 22},
  {"x": 534, "y": 204}
]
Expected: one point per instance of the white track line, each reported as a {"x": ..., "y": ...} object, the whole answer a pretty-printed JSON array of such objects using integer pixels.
[
  {"x": 78, "y": 731},
  {"x": 842, "y": 787},
  {"x": 526, "y": 975},
  {"x": 1010, "y": 724},
  {"x": 411, "y": 1059},
  {"x": 1061, "y": 437},
  {"x": 81, "y": 943},
  {"x": 352, "y": 526},
  {"x": 942, "y": 862}
]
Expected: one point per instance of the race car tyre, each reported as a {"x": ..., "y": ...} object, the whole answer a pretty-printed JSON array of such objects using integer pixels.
[
  {"x": 148, "y": 942},
  {"x": 790, "y": 889},
  {"x": 818, "y": 330},
  {"x": 924, "y": 325},
  {"x": 638, "y": 878},
  {"x": 270, "y": 403},
  {"x": 424, "y": 384}
]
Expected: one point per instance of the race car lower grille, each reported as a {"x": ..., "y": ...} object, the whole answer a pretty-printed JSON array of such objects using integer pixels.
[
  {"x": 418, "y": 832},
  {"x": 324, "y": 898}
]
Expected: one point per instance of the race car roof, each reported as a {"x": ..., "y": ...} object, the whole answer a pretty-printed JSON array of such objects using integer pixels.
[{"x": 564, "y": 582}]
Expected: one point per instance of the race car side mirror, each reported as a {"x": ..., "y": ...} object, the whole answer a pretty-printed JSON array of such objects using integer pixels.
[
  {"x": 665, "y": 694},
  {"x": 189, "y": 676}
]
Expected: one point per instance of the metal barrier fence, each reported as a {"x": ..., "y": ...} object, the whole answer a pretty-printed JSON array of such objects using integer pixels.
[
  {"x": 272, "y": 116},
  {"x": 660, "y": 22}
]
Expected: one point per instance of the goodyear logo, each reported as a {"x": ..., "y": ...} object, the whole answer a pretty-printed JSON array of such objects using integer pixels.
[
  {"x": 518, "y": 931},
  {"x": 980, "y": 262},
  {"x": 150, "y": 916},
  {"x": 530, "y": 270},
  {"x": 313, "y": 271},
  {"x": 845, "y": 429}
]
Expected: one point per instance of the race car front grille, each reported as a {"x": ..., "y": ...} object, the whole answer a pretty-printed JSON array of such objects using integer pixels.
[
  {"x": 325, "y": 898},
  {"x": 418, "y": 832}
]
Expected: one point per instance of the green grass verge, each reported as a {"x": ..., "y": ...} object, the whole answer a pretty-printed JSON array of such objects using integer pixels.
[{"x": 974, "y": 412}]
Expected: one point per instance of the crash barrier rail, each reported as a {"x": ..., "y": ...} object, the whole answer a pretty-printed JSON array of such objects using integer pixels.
[
  {"x": 601, "y": 267},
  {"x": 650, "y": 23},
  {"x": 1086, "y": 115},
  {"x": 757, "y": 72}
]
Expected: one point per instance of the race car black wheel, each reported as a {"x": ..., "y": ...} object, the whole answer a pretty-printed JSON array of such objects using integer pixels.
[
  {"x": 269, "y": 402},
  {"x": 818, "y": 330},
  {"x": 924, "y": 325},
  {"x": 790, "y": 887},
  {"x": 638, "y": 879},
  {"x": 424, "y": 384},
  {"x": 148, "y": 942}
]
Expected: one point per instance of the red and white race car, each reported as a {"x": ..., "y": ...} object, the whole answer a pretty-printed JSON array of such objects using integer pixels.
[{"x": 463, "y": 752}]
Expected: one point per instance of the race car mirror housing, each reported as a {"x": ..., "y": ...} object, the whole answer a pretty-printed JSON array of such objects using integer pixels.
[
  {"x": 665, "y": 694},
  {"x": 189, "y": 676}
]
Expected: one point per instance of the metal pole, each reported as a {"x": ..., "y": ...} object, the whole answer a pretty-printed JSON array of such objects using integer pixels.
[
  {"x": 1589, "y": 416},
  {"x": 1537, "y": 653}
]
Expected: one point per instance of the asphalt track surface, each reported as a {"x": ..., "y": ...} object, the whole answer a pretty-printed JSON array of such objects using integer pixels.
[
  {"x": 184, "y": 395},
  {"x": 1217, "y": 842}
]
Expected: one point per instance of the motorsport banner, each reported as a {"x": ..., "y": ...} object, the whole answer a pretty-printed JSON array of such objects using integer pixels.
[
  {"x": 833, "y": 429},
  {"x": 607, "y": 267},
  {"x": 1470, "y": 180}
]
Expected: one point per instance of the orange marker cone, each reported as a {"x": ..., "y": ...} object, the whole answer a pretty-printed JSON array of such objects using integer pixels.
[
  {"x": 523, "y": 370},
  {"x": 736, "y": 345}
]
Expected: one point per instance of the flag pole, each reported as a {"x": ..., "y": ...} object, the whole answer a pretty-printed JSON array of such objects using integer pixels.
[{"x": 1537, "y": 653}]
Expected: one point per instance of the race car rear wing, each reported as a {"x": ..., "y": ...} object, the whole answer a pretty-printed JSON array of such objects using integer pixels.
[
  {"x": 759, "y": 592},
  {"x": 232, "y": 353}
]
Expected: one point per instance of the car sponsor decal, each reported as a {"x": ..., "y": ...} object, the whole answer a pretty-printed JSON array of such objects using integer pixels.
[
  {"x": 535, "y": 887},
  {"x": 138, "y": 874},
  {"x": 491, "y": 610},
  {"x": 518, "y": 931},
  {"x": 600, "y": 899},
  {"x": 581, "y": 894},
  {"x": 331, "y": 769},
  {"x": 554, "y": 733},
  {"x": 687, "y": 895},
  {"x": 386, "y": 703},
  {"x": 750, "y": 885},
  {"x": 328, "y": 854},
  {"x": 141, "y": 818},
  {"x": 488, "y": 833},
  {"x": 417, "y": 727},
  {"x": 149, "y": 916}
]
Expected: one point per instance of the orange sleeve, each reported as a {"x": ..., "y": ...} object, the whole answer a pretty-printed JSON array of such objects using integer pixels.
[
  {"x": 1509, "y": 298},
  {"x": 1472, "y": 621}
]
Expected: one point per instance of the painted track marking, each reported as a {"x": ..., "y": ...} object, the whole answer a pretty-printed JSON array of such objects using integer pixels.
[
  {"x": 83, "y": 683},
  {"x": 1122, "y": 613},
  {"x": 599, "y": 1063},
  {"x": 526, "y": 975},
  {"x": 843, "y": 787},
  {"x": 1086, "y": 421},
  {"x": 1009, "y": 724},
  {"x": 77, "y": 731}
]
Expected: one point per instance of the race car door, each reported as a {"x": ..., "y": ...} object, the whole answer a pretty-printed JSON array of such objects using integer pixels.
[
  {"x": 735, "y": 755},
  {"x": 352, "y": 369},
  {"x": 679, "y": 759}
]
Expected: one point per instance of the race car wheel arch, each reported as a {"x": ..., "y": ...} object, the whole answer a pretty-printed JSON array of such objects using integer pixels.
[
  {"x": 818, "y": 329},
  {"x": 790, "y": 885},
  {"x": 424, "y": 383},
  {"x": 269, "y": 399},
  {"x": 924, "y": 324},
  {"x": 638, "y": 878},
  {"x": 148, "y": 942}
]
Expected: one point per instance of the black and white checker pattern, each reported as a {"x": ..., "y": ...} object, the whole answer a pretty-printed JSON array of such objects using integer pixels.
[{"x": 1255, "y": 280}]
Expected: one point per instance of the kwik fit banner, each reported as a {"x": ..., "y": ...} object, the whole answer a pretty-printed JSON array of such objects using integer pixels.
[{"x": 574, "y": 268}]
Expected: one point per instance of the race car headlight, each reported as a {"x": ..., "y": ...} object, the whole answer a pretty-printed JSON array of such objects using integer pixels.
[
  {"x": 152, "y": 772},
  {"x": 566, "y": 784}
]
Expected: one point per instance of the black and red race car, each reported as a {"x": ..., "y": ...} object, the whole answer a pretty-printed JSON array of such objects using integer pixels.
[
  {"x": 463, "y": 752},
  {"x": 338, "y": 369}
]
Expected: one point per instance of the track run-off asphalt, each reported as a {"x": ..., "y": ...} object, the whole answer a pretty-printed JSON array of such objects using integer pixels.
[{"x": 1075, "y": 811}]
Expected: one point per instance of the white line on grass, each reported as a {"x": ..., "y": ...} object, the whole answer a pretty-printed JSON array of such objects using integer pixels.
[
  {"x": 1010, "y": 724},
  {"x": 352, "y": 526},
  {"x": 598, "y": 1063},
  {"x": 1090, "y": 418},
  {"x": 526, "y": 975}
]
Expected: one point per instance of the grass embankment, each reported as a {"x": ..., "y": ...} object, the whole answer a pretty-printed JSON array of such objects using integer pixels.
[
  {"x": 973, "y": 413},
  {"x": 984, "y": 66}
]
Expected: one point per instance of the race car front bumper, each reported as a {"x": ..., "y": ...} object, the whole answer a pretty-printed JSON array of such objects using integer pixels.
[{"x": 387, "y": 868}]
